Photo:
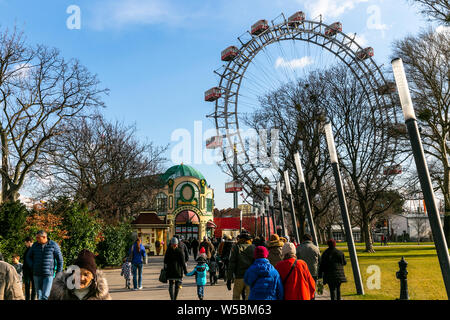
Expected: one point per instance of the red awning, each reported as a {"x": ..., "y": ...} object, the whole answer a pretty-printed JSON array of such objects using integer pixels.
[
  {"x": 211, "y": 224},
  {"x": 187, "y": 216}
]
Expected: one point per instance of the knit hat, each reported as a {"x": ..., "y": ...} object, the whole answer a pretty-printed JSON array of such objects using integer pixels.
[
  {"x": 202, "y": 250},
  {"x": 261, "y": 252},
  {"x": 86, "y": 260},
  {"x": 174, "y": 240},
  {"x": 288, "y": 248},
  {"x": 284, "y": 239},
  {"x": 275, "y": 241}
]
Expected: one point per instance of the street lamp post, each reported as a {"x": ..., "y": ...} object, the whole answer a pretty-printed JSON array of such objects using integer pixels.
[
  {"x": 268, "y": 216},
  {"x": 261, "y": 205},
  {"x": 289, "y": 192},
  {"x": 280, "y": 200},
  {"x": 344, "y": 210},
  {"x": 256, "y": 220},
  {"x": 422, "y": 170},
  {"x": 272, "y": 212},
  {"x": 301, "y": 178}
]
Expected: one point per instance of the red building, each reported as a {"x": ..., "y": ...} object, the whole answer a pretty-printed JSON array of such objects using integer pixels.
[{"x": 228, "y": 222}]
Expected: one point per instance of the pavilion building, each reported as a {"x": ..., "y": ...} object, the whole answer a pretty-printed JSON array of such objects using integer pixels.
[{"x": 183, "y": 206}]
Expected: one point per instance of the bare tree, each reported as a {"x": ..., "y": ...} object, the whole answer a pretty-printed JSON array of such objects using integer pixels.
[
  {"x": 294, "y": 110},
  {"x": 40, "y": 92},
  {"x": 427, "y": 63},
  {"x": 420, "y": 226},
  {"x": 103, "y": 165},
  {"x": 438, "y": 10},
  {"x": 364, "y": 145}
]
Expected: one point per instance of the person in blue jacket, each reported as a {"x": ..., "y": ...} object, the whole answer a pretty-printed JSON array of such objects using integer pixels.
[
  {"x": 45, "y": 260},
  {"x": 137, "y": 256},
  {"x": 263, "y": 279},
  {"x": 200, "y": 271}
]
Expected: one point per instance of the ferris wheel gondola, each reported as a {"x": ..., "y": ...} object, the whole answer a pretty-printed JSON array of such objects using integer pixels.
[{"x": 230, "y": 101}]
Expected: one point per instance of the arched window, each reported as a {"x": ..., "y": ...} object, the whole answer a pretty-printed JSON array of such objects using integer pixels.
[{"x": 161, "y": 202}]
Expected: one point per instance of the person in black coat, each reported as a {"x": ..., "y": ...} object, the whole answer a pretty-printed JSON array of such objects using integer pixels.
[
  {"x": 331, "y": 269},
  {"x": 194, "y": 246},
  {"x": 175, "y": 267},
  {"x": 183, "y": 248},
  {"x": 30, "y": 290}
]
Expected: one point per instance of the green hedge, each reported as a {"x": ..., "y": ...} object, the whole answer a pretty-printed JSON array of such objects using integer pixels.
[{"x": 115, "y": 245}]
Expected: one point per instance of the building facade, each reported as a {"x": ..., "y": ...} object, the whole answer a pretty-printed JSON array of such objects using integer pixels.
[{"x": 184, "y": 206}]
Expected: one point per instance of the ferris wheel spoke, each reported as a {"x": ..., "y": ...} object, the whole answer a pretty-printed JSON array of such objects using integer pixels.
[{"x": 255, "y": 73}]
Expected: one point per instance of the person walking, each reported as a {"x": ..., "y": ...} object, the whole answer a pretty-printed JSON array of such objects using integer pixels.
[
  {"x": 10, "y": 285},
  {"x": 30, "y": 290},
  {"x": 137, "y": 258},
  {"x": 183, "y": 248},
  {"x": 195, "y": 244},
  {"x": 46, "y": 260},
  {"x": 225, "y": 256},
  {"x": 187, "y": 242},
  {"x": 126, "y": 272},
  {"x": 92, "y": 282},
  {"x": 297, "y": 280},
  {"x": 209, "y": 248},
  {"x": 331, "y": 269},
  {"x": 175, "y": 267},
  {"x": 241, "y": 258},
  {"x": 200, "y": 271},
  {"x": 274, "y": 246},
  {"x": 262, "y": 278},
  {"x": 213, "y": 267},
  {"x": 309, "y": 253},
  {"x": 18, "y": 266}
]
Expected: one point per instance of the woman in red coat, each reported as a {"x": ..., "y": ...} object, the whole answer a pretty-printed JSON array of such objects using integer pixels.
[{"x": 298, "y": 284}]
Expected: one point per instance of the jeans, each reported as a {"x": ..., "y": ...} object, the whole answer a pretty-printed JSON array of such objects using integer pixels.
[
  {"x": 43, "y": 286},
  {"x": 137, "y": 272},
  {"x": 30, "y": 289},
  {"x": 201, "y": 292},
  {"x": 335, "y": 291}
]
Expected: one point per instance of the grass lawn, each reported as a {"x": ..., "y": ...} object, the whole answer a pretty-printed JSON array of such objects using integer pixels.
[{"x": 424, "y": 273}]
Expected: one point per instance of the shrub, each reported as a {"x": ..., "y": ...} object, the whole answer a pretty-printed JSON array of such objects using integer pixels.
[
  {"x": 115, "y": 245},
  {"x": 83, "y": 231},
  {"x": 13, "y": 216}
]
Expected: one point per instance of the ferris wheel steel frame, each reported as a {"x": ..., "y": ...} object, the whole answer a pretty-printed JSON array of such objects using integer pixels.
[{"x": 341, "y": 45}]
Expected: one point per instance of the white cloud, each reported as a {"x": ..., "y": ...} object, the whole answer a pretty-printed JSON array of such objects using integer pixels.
[
  {"x": 331, "y": 8},
  {"x": 359, "y": 39},
  {"x": 294, "y": 64},
  {"x": 443, "y": 29}
]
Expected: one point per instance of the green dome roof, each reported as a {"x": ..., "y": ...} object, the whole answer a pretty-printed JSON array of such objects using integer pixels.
[{"x": 181, "y": 171}]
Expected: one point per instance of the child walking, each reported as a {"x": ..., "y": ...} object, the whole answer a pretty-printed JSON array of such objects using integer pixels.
[
  {"x": 126, "y": 272},
  {"x": 17, "y": 265},
  {"x": 200, "y": 272},
  {"x": 213, "y": 267}
]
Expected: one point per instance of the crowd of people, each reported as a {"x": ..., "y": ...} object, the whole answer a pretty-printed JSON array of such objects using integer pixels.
[
  {"x": 40, "y": 276},
  {"x": 252, "y": 268}
]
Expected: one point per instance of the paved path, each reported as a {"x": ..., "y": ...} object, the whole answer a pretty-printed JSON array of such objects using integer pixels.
[{"x": 155, "y": 290}]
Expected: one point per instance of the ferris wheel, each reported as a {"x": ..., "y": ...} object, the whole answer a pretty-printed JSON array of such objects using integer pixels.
[{"x": 273, "y": 53}]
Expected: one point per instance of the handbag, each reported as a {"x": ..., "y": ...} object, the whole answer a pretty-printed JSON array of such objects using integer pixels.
[{"x": 163, "y": 276}]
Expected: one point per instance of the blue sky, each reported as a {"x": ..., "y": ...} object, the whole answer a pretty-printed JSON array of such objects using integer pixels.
[{"x": 157, "y": 56}]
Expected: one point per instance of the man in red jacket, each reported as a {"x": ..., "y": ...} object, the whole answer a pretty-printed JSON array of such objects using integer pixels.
[{"x": 297, "y": 280}]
